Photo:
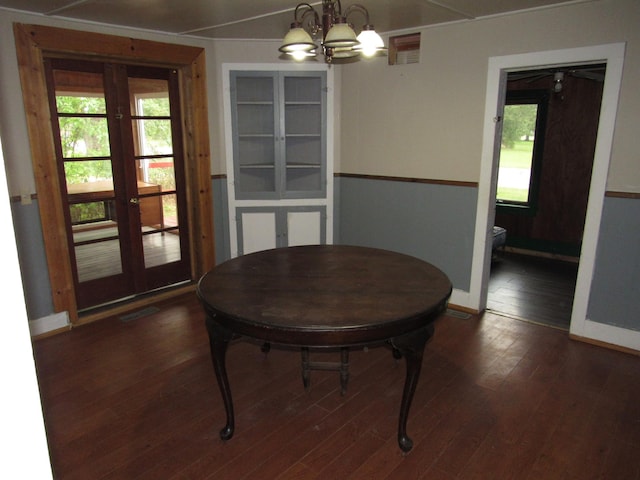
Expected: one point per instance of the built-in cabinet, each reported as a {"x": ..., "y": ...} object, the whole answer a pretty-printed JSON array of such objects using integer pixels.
[{"x": 278, "y": 170}]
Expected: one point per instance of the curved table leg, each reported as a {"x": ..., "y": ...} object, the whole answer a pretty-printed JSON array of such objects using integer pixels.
[
  {"x": 219, "y": 339},
  {"x": 411, "y": 346}
]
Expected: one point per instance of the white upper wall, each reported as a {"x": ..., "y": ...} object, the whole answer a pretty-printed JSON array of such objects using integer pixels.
[
  {"x": 425, "y": 120},
  {"x": 422, "y": 120}
]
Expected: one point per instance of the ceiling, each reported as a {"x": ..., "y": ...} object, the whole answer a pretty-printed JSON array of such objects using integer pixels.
[{"x": 263, "y": 19}]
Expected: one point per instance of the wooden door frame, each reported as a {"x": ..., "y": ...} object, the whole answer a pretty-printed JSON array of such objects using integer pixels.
[{"x": 33, "y": 43}]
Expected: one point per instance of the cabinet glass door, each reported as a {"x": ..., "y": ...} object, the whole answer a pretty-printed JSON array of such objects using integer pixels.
[
  {"x": 303, "y": 127},
  {"x": 255, "y": 134},
  {"x": 279, "y": 134}
]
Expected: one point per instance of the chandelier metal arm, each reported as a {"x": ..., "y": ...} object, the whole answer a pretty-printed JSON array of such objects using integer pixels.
[
  {"x": 359, "y": 8},
  {"x": 299, "y": 19},
  {"x": 338, "y": 11}
]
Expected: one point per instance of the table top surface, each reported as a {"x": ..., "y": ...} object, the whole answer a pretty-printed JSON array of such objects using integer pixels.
[{"x": 324, "y": 294}]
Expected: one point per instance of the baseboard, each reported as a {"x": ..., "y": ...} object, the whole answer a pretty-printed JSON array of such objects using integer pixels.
[
  {"x": 535, "y": 253},
  {"x": 125, "y": 306},
  {"x": 50, "y": 324},
  {"x": 609, "y": 336},
  {"x": 460, "y": 308},
  {"x": 460, "y": 300}
]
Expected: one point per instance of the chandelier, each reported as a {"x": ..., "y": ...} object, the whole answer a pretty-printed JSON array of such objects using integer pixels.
[{"x": 339, "y": 40}]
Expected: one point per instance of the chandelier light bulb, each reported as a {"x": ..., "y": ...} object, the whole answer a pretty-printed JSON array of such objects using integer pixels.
[
  {"x": 299, "y": 55},
  {"x": 370, "y": 42}
]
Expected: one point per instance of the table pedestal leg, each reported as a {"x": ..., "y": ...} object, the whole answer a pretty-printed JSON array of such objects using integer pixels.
[
  {"x": 411, "y": 347},
  {"x": 219, "y": 339}
]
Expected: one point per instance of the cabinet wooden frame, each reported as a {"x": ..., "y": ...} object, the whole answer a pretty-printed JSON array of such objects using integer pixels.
[{"x": 33, "y": 43}]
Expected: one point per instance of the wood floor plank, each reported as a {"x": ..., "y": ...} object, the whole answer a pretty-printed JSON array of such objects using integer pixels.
[
  {"x": 351, "y": 458},
  {"x": 497, "y": 398},
  {"x": 532, "y": 288}
]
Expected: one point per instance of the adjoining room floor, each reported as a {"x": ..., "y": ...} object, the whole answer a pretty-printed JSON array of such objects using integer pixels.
[{"x": 537, "y": 289}]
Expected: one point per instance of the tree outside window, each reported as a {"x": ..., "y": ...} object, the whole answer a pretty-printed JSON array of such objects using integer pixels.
[{"x": 521, "y": 148}]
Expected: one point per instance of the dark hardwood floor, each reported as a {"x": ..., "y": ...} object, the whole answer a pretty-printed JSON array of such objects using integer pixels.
[
  {"x": 532, "y": 288},
  {"x": 497, "y": 399}
]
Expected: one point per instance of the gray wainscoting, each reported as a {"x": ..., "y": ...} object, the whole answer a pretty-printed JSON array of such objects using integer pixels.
[
  {"x": 433, "y": 222},
  {"x": 221, "y": 218},
  {"x": 615, "y": 291},
  {"x": 32, "y": 258}
]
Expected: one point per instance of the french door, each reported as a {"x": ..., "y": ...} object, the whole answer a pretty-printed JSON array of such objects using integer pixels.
[{"x": 118, "y": 142}]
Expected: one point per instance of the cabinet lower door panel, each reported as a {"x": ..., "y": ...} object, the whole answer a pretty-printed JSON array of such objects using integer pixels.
[
  {"x": 258, "y": 231},
  {"x": 304, "y": 228}
]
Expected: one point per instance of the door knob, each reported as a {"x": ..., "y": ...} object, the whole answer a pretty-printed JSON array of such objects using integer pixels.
[{"x": 134, "y": 201}]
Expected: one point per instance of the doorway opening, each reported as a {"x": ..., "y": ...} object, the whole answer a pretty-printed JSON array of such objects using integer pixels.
[
  {"x": 612, "y": 55},
  {"x": 549, "y": 131}
]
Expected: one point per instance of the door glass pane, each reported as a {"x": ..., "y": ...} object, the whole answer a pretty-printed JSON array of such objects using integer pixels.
[
  {"x": 101, "y": 256},
  {"x": 84, "y": 137},
  {"x": 80, "y": 172},
  {"x": 69, "y": 103},
  {"x": 154, "y": 137},
  {"x": 86, "y": 161},
  {"x": 161, "y": 246},
  {"x": 151, "y": 208},
  {"x": 155, "y": 167}
]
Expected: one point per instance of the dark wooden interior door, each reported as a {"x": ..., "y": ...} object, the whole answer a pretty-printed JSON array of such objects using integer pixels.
[{"x": 119, "y": 149}]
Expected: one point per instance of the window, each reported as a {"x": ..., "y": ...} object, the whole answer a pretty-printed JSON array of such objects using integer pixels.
[{"x": 521, "y": 149}]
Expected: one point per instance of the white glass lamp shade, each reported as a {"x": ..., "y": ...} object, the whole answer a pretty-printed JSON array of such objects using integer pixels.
[
  {"x": 298, "y": 42},
  {"x": 341, "y": 35},
  {"x": 370, "y": 42}
]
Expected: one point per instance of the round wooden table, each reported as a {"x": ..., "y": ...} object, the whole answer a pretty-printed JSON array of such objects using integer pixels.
[{"x": 324, "y": 296}]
